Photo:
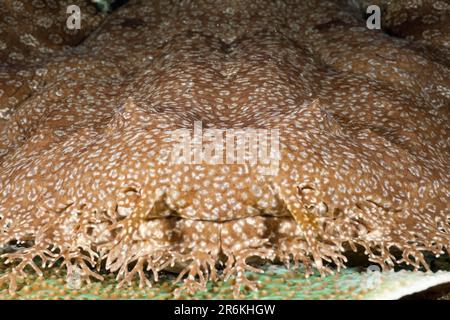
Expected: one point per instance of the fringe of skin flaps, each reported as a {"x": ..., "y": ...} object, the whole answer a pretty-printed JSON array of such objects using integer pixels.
[{"x": 84, "y": 242}]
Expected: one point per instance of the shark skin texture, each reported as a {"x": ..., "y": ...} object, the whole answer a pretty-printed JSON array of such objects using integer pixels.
[{"x": 91, "y": 197}]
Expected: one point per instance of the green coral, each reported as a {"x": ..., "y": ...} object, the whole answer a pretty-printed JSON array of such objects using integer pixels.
[
  {"x": 103, "y": 5},
  {"x": 276, "y": 282}
]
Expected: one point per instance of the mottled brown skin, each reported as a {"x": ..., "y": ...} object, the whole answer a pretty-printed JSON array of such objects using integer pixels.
[
  {"x": 86, "y": 175},
  {"x": 425, "y": 22},
  {"x": 30, "y": 33}
]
